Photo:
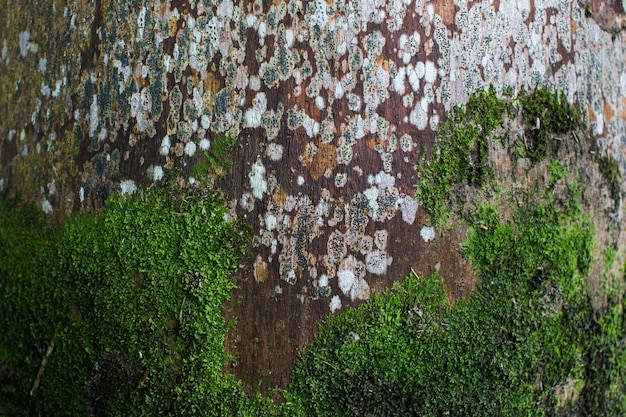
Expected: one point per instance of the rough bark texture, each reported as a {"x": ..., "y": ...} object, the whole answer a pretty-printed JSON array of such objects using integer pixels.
[{"x": 334, "y": 104}]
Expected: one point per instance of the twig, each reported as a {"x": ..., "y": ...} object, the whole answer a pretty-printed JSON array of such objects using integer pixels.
[
  {"x": 180, "y": 315},
  {"x": 44, "y": 360}
]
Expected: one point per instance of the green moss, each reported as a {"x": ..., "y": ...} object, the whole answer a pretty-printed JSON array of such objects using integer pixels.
[
  {"x": 528, "y": 341},
  {"x": 461, "y": 151},
  {"x": 132, "y": 300},
  {"x": 557, "y": 170},
  {"x": 545, "y": 114},
  {"x": 525, "y": 338},
  {"x": 218, "y": 159}
]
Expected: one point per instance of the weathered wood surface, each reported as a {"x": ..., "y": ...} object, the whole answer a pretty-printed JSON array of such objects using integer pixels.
[{"x": 334, "y": 104}]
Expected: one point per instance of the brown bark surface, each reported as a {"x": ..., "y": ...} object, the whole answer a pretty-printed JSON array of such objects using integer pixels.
[{"x": 334, "y": 103}]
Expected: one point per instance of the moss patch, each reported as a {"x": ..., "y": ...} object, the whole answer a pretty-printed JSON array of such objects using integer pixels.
[
  {"x": 461, "y": 152},
  {"x": 530, "y": 340},
  {"x": 526, "y": 126},
  {"x": 120, "y": 313},
  {"x": 526, "y": 342},
  {"x": 217, "y": 160}
]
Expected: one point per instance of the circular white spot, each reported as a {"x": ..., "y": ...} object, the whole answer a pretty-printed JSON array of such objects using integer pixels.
[
  {"x": 205, "y": 144},
  {"x": 335, "y": 303},
  {"x": 427, "y": 233},
  {"x": 190, "y": 148},
  {"x": 156, "y": 173},
  {"x": 270, "y": 222},
  {"x": 319, "y": 102}
]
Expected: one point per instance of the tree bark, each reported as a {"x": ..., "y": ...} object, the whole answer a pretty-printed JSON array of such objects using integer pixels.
[{"x": 333, "y": 104}]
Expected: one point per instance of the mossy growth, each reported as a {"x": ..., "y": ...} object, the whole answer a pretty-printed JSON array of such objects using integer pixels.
[
  {"x": 461, "y": 151},
  {"x": 218, "y": 159},
  {"x": 610, "y": 170},
  {"x": 557, "y": 170},
  {"x": 545, "y": 114},
  {"x": 527, "y": 342},
  {"x": 119, "y": 313}
]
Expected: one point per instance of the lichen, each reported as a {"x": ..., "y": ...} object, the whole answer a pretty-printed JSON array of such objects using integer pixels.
[{"x": 159, "y": 82}]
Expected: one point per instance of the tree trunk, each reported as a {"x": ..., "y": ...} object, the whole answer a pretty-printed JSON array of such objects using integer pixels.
[{"x": 333, "y": 103}]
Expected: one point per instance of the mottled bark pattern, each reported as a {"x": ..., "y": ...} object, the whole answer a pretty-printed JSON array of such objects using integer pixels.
[{"x": 333, "y": 102}]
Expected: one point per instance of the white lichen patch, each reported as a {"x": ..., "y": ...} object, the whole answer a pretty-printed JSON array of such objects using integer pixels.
[
  {"x": 57, "y": 88},
  {"x": 190, "y": 148},
  {"x": 408, "y": 208},
  {"x": 427, "y": 233},
  {"x": 165, "y": 146},
  {"x": 46, "y": 206},
  {"x": 270, "y": 222},
  {"x": 93, "y": 116},
  {"x": 253, "y": 118},
  {"x": 353, "y": 286},
  {"x": 385, "y": 180},
  {"x": 335, "y": 304},
  {"x": 45, "y": 90},
  {"x": 380, "y": 239},
  {"x": 319, "y": 102},
  {"x": 372, "y": 198},
  {"x": 319, "y": 17},
  {"x": 323, "y": 281},
  {"x": 430, "y": 72},
  {"x": 347, "y": 281},
  {"x": 257, "y": 180},
  {"x": 274, "y": 151},
  {"x": 377, "y": 262},
  {"x": 156, "y": 173},
  {"x": 205, "y": 144},
  {"x": 24, "y": 43},
  {"x": 127, "y": 187},
  {"x": 5, "y": 51},
  {"x": 341, "y": 180},
  {"x": 43, "y": 65},
  {"x": 246, "y": 202},
  {"x": 399, "y": 81}
]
